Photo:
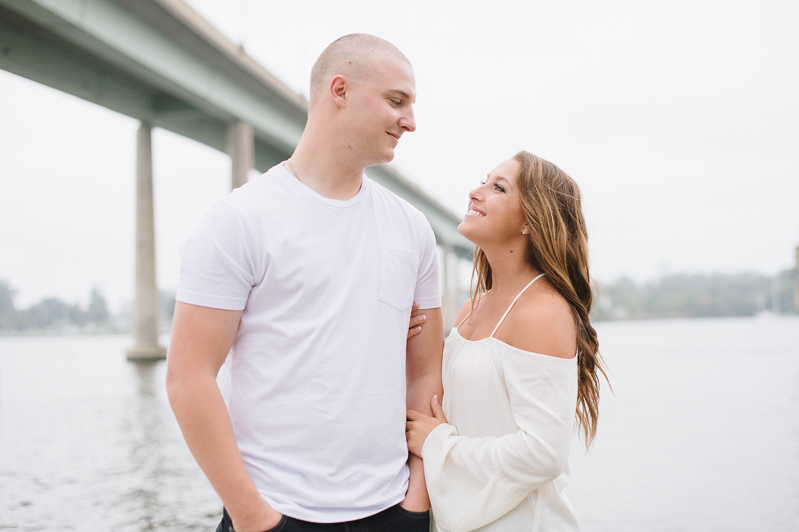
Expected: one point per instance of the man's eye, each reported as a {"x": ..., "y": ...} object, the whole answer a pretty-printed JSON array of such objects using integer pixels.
[
  {"x": 396, "y": 102},
  {"x": 482, "y": 182}
]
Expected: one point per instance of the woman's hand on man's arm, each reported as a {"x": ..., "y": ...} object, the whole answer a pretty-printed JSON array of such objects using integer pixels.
[
  {"x": 417, "y": 318},
  {"x": 420, "y": 425}
]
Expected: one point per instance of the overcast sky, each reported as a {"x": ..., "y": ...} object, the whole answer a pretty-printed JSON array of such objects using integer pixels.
[{"x": 679, "y": 120}]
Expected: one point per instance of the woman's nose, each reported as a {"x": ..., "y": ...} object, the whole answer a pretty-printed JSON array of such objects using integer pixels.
[{"x": 476, "y": 193}]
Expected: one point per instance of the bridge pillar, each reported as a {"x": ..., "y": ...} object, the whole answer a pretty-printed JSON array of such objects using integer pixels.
[
  {"x": 450, "y": 291},
  {"x": 146, "y": 310},
  {"x": 241, "y": 148}
]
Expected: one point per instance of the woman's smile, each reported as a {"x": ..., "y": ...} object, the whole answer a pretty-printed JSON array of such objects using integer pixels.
[{"x": 474, "y": 211}]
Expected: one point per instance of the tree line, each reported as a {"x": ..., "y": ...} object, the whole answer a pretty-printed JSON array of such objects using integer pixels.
[
  {"x": 54, "y": 314},
  {"x": 696, "y": 296},
  {"x": 671, "y": 296},
  {"x": 50, "y": 313}
]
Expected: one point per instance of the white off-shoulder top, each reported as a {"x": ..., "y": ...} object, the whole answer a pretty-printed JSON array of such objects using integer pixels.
[{"x": 500, "y": 464}]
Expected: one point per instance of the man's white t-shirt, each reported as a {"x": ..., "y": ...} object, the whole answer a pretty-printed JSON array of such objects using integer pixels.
[{"x": 317, "y": 368}]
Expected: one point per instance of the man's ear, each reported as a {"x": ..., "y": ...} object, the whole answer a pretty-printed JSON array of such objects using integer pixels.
[{"x": 339, "y": 90}]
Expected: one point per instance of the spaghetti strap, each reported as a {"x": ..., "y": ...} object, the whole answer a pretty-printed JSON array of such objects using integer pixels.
[
  {"x": 469, "y": 314},
  {"x": 514, "y": 302}
]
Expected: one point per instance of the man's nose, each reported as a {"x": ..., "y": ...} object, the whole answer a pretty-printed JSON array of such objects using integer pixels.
[{"x": 408, "y": 122}]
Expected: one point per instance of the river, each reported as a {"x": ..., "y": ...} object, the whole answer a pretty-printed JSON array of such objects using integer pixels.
[{"x": 701, "y": 434}]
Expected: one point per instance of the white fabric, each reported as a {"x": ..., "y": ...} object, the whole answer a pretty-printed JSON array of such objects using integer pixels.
[
  {"x": 317, "y": 369},
  {"x": 504, "y": 467}
]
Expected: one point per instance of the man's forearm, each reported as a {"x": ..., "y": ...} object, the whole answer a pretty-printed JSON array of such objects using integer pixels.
[
  {"x": 423, "y": 377},
  {"x": 416, "y": 498},
  {"x": 205, "y": 422},
  {"x": 201, "y": 339},
  {"x": 420, "y": 392}
]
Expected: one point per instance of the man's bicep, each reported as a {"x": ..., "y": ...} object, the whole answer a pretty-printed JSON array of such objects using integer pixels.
[
  {"x": 423, "y": 363},
  {"x": 201, "y": 337},
  {"x": 424, "y": 350}
]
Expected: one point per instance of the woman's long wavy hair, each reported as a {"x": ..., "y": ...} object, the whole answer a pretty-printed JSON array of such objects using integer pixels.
[{"x": 558, "y": 247}]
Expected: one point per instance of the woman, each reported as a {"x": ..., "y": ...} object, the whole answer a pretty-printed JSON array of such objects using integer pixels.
[{"x": 513, "y": 386}]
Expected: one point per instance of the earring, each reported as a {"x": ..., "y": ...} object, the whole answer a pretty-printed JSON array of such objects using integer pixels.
[{"x": 524, "y": 231}]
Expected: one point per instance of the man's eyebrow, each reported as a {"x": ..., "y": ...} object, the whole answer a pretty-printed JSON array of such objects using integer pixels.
[{"x": 401, "y": 92}]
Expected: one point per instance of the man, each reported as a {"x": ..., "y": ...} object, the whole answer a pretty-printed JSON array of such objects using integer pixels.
[{"x": 304, "y": 280}]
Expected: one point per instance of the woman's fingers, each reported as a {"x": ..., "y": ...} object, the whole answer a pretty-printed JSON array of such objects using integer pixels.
[
  {"x": 413, "y": 415},
  {"x": 418, "y": 427},
  {"x": 417, "y": 318},
  {"x": 412, "y": 437},
  {"x": 438, "y": 412}
]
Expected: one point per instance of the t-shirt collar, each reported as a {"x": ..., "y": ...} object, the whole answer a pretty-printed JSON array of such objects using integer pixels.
[{"x": 305, "y": 189}]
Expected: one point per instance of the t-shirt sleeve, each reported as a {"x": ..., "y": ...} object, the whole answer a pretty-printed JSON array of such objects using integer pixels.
[
  {"x": 427, "y": 292},
  {"x": 216, "y": 267}
]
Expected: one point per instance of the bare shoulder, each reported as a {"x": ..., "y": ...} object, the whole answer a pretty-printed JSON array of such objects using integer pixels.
[
  {"x": 541, "y": 322},
  {"x": 463, "y": 312}
]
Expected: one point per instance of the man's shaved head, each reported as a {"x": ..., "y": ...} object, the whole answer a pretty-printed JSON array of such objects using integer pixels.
[{"x": 350, "y": 56}]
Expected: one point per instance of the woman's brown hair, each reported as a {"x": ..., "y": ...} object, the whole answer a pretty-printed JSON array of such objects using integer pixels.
[{"x": 558, "y": 247}]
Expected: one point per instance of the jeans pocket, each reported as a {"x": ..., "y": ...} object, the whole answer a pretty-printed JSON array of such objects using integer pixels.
[
  {"x": 409, "y": 521},
  {"x": 279, "y": 526},
  {"x": 409, "y": 513},
  {"x": 226, "y": 525}
]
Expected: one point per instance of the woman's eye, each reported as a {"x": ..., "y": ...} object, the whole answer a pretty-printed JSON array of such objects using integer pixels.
[{"x": 499, "y": 187}]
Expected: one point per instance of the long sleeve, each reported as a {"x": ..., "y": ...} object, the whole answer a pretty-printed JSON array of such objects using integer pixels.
[{"x": 473, "y": 481}]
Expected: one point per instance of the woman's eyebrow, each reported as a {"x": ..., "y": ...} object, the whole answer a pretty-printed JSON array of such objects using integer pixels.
[{"x": 500, "y": 178}]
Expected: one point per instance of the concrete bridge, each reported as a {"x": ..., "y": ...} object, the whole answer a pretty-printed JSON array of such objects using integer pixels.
[{"x": 160, "y": 62}]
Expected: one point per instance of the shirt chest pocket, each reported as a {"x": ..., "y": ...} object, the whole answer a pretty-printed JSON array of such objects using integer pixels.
[{"x": 398, "y": 272}]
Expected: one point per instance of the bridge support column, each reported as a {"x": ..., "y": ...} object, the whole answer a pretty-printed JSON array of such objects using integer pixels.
[
  {"x": 241, "y": 148},
  {"x": 146, "y": 310},
  {"x": 450, "y": 291}
]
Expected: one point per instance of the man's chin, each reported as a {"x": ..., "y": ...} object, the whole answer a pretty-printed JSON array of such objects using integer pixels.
[
  {"x": 383, "y": 158},
  {"x": 387, "y": 155}
]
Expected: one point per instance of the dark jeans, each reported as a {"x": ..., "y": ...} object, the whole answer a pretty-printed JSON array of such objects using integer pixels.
[{"x": 394, "y": 519}]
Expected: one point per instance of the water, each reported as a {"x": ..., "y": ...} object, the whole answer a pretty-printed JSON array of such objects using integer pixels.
[
  {"x": 702, "y": 434},
  {"x": 88, "y": 442}
]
